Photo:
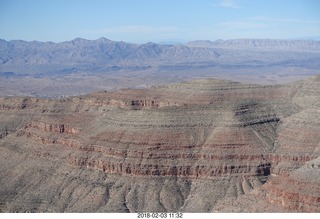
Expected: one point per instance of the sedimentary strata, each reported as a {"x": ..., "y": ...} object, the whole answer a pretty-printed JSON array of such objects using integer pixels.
[{"x": 191, "y": 147}]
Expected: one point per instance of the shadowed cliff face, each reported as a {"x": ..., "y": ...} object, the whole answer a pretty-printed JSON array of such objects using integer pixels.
[{"x": 200, "y": 146}]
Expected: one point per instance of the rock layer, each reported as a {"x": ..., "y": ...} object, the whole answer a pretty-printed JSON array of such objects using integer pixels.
[{"x": 192, "y": 147}]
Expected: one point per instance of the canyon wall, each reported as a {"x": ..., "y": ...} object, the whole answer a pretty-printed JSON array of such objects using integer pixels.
[{"x": 199, "y": 146}]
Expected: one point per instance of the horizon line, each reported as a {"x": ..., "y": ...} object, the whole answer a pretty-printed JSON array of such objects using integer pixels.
[{"x": 168, "y": 41}]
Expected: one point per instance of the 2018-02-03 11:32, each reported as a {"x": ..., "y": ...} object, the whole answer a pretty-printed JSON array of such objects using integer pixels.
[{"x": 159, "y": 215}]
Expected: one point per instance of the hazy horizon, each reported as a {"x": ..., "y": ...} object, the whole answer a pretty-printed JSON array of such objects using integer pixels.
[
  {"x": 158, "y": 21},
  {"x": 168, "y": 41}
]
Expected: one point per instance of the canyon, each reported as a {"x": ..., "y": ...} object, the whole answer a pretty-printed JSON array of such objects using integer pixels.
[{"x": 206, "y": 145}]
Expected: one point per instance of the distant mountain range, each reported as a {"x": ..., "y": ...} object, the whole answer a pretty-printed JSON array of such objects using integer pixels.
[
  {"x": 103, "y": 55},
  {"x": 80, "y": 66},
  {"x": 101, "y": 51},
  {"x": 269, "y": 44}
]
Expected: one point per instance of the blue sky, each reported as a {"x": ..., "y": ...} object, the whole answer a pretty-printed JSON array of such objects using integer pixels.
[{"x": 158, "y": 20}]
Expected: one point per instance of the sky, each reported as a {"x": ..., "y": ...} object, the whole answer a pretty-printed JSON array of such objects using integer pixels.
[{"x": 141, "y": 21}]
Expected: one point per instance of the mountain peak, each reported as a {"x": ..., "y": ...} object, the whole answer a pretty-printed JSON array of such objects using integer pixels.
[
  {"x": 103, "y": 40},
  {"x": 79, "y": 40}
]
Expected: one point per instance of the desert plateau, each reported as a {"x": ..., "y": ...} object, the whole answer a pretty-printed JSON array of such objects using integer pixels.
[{"x": 204, "y": 145}]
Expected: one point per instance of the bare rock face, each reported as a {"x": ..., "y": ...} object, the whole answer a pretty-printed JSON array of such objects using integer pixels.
[{"x": 200, "y": 146}]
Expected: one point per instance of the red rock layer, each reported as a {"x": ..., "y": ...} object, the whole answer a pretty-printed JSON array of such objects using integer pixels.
[
  {"x": 196, "y": 130},
  {"x": 295, "y": 195}
]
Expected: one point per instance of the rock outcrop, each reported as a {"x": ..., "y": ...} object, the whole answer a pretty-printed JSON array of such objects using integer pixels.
[{"x": 194, "y": 147}]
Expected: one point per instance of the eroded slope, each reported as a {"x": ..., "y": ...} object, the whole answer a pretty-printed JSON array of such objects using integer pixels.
[{"x": 200, "y": 146}]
